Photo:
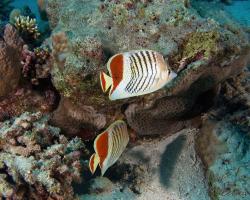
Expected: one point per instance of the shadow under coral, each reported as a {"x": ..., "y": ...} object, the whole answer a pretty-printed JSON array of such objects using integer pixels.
[{"x": 169, "y": 159}]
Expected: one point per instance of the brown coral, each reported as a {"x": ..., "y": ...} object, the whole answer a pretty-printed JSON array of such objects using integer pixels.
[
  {"x": 10, "y": 66},
  {"x": 26, "y": 99}
]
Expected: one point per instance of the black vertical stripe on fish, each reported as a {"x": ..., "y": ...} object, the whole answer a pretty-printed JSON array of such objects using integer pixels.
[
  {"x": 118, "y": 145},
  {"x": 155, "y": 63},
  {"x": 131, "y": 88},
  {"x": 132, "y": 73},
  {"x": 146, "y": 74},
  {"x": 119, "y": 139},
  {"x": 136, "y": 74},
  {"x": 115, "y": 142},
  {"x": 154, "y": 71},
  {"x": 151, "y": 67},
  {"x": 136, "y": 85}
]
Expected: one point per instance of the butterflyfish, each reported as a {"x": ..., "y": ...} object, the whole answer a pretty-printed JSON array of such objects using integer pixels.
[
  {"x": 109, "y": 146},
  {"x": 135, "y": 73}
]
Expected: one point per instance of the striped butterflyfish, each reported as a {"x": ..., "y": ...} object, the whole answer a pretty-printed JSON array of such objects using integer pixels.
[
  {"x": 109, "y": 146},
  {"x": 135, "y": 73}
]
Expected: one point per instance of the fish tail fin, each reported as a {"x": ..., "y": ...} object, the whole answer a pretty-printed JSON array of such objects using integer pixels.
[
  {"x": 93, "y": 162},
  {"x": 106, "y": 81}
]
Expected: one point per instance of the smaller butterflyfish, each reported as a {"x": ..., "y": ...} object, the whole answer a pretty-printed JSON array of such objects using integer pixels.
[
  {"x": 135, "y": 73},
  {"x": 109, "y": 146}
]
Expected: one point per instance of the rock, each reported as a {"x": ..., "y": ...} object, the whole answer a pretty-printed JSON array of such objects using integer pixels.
[
  {"x": 208, "y": 50},
  {"x": 10, "y": 60},
  {"x": 224, "y": 142},
  {"x": 85, "y": 119},
  {"x": 103, "y": 189},
  {"x": 100, "y": 185}
]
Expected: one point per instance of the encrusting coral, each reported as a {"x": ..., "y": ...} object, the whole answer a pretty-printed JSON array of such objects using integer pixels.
[{"x": 37, "y": 162}]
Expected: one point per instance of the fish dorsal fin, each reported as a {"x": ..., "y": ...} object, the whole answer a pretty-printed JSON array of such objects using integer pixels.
[
  {"x": 106, "y": 81},
  {"x": 118, "y": 140},
  {"x": 93, "y": 162},
  {"x": 115, "y": 67}
]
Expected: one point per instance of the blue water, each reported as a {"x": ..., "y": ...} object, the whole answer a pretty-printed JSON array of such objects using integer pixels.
[{"x": 240, "y": 10}]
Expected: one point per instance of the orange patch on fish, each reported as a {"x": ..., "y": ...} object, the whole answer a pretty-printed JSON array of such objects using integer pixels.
[
  {"x": 102, "y": 146},
  {"x": 116, "y": 67}
]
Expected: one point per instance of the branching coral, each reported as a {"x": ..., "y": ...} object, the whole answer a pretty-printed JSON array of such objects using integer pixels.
[
  {"x": 36, "y": 161},
  {"x": 27, "y": 27}
]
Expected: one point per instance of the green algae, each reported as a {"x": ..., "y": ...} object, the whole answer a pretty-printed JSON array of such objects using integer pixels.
[{"x": 201, "y": 41}]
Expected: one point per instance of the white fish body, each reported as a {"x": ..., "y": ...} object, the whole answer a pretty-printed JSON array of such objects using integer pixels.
[
  {"x": 109, "y": 146},
  {"x": 136, "y": 73}
]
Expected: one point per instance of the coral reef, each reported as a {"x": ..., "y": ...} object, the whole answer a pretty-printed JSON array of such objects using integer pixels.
[
  {"x": 81, "y": 44},
  {"x": 5, "y": 9},
  {"x": 10, "y": 54},
  {"x": 27, "y": 27},
  {"x": 36, "y": 161},
  {"x": 223, "y": 142}
]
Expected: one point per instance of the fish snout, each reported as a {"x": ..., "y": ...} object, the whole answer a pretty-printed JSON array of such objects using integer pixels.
[{"x": 172, "y": 75}]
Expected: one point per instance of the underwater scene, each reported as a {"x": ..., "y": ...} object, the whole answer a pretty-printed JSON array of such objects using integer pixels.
[{"x": 125, "y": 99}]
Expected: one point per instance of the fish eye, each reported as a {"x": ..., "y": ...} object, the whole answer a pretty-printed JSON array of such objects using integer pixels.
[{"x": 169, "y": 71}]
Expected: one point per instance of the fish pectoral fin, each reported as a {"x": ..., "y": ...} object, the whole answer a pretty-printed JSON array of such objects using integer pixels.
[
  {"x": 93, "y": 162},
  {"x": 106, "y": 81}
]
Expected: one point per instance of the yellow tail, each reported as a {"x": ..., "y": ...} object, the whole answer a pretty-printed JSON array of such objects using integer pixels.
[
  {"x": 93, "y": 162},
  {"x": 106, "y": 81}
]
